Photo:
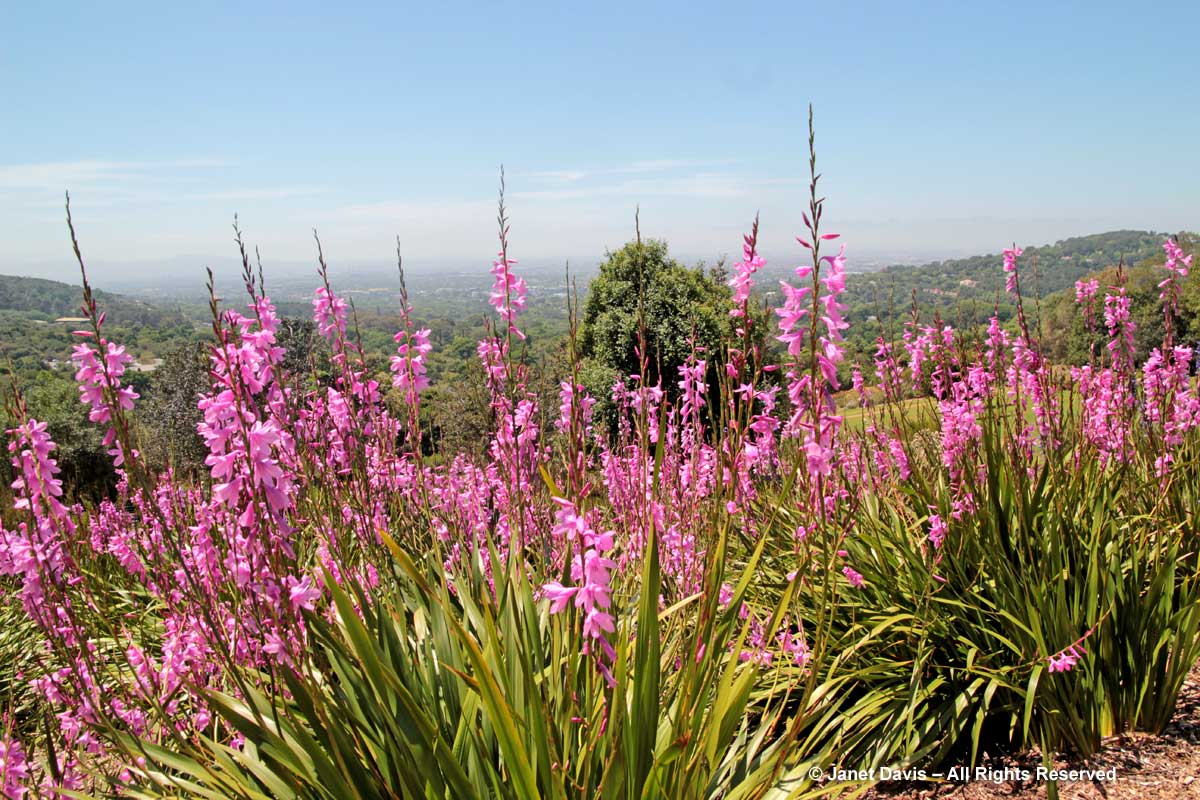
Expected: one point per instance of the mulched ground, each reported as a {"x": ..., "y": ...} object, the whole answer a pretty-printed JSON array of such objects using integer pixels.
[{"x": 1147, "y": 767}]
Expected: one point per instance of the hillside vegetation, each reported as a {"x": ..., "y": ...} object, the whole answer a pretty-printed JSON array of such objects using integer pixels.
[
  {"x": 52, "y": 299},
  {"x": 1052, "y": 268},
  {"x": 967, "y": 292}
]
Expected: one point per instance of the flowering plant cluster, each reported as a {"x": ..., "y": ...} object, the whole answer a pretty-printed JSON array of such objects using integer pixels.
[{"x": 716, "y": 557}]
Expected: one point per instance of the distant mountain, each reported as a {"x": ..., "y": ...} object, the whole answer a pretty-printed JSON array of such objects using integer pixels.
[
  {"x": 53, "y": 299},
  {"x": 1058, "y": 266}
]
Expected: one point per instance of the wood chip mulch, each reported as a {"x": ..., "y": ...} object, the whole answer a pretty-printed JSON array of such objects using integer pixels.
[{"x": 1147, "y": 767}]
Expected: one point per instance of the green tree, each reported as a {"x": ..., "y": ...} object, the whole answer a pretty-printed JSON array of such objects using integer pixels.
[
  {"x": 305, "y": 358},
  {"x": 168, "y": 414},
  {"x": 684, "y": 310}
]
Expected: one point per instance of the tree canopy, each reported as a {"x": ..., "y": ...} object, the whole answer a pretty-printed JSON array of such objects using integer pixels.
[{"x": 683, "y": 310}]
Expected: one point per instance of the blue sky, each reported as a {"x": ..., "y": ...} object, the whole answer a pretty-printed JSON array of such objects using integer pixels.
[{"x": 942, "y": 128}]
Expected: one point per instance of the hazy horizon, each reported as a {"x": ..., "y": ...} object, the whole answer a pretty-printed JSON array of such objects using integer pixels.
[{"x": 188, "y": 279}]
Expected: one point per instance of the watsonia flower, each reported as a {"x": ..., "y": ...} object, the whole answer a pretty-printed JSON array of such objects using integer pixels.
[
  {"x": 591, "y": 570},
  {"x": 1011, "y": 254}
]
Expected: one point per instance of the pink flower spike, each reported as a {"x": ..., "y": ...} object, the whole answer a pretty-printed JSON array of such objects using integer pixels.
[{"x": 1064, "y": 660}]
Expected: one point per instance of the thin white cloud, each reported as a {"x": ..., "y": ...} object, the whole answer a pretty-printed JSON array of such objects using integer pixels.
[
  {"x": 276, "y": 193},
  {"x": 697, "y": 184},
  {"x": 407, "y": 209},
  {"x": 660, "y": 165},
  {"x": 557, "y": 175},
  {"x": 640, "y": 167},
  {"x": 58, "y": 175},
  {"x": 558, "y": 195}
]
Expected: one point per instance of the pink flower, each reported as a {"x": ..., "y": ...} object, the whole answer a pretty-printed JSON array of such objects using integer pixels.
[
  {"x": 408, "y": 365},
  {"x": 590, "y": 572},
  {"x": 509, "y": 292},
  {"x": 791, "y": 314},
  {"x": 1121, "y": 326},
  {"x": 302, "y": 593},
  {"x": 34, "y": 551},
  {"x": 937, "y": 531},
  {"x": 1177, "y": 269},
  {"x": 1010, "y": 268},
  {"x": 1069, "y": 656},
  {"x": 853, "y": 577},
  {"x": 559, "y": 596},
  {"x": 810, "y": 392},
  {"x": 14, "y": 769},
  {"x": 820, "y": 458},
  {"x": 795, "y": 645},
  {"x": 492, "y": 352},
  {"x": 574, "y": 403},
  {"x": 329, "y": 312},
  {"x": 596, "y": 623},
  {"x": 95, "y": 375},
  {"x": 1085, "y": 294},
  {"x": 693, "y": 386},
  {"x": 277, "y": 647},
  {"x": 743, "y": 279},
  {"x": 1064, "y": 660}
]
